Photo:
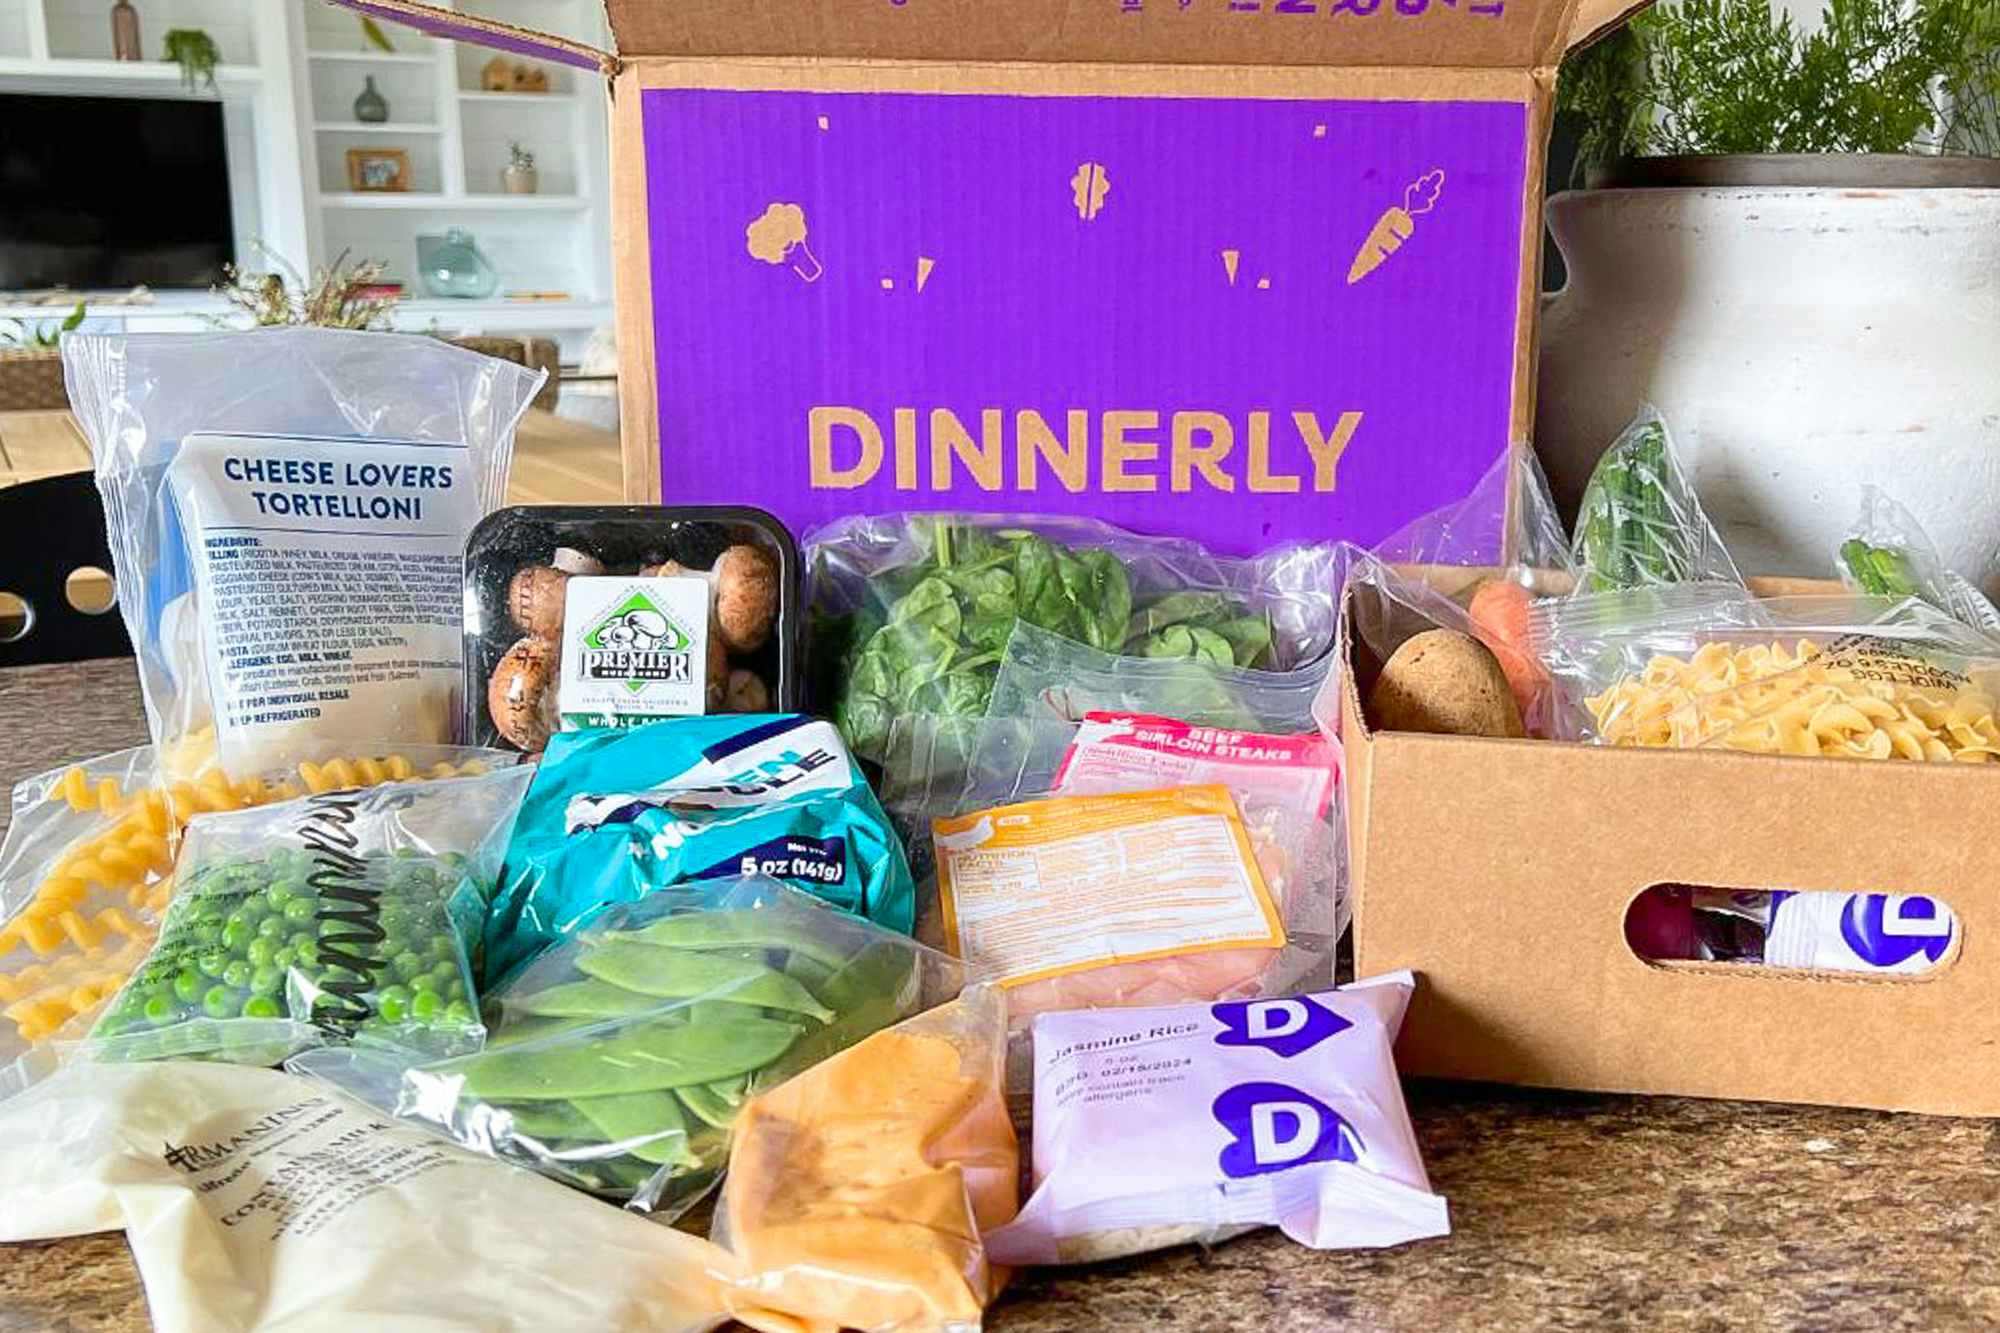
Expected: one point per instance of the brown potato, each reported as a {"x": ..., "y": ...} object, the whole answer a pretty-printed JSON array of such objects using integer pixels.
[{"x": 1448, "y": 683}]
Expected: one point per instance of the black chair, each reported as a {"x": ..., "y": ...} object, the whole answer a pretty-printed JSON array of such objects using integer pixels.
[{"x": 49, "y": 529}]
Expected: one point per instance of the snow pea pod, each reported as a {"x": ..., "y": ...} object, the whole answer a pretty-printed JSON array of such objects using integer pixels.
[
  {"x": 648, "y": 1125},
  {"x": 676, "y": 974},
  {"x": 548, "y": 1121},
  {"x": 641, "y": 1057},
  {"x": 589, "y": 998},
  {"x": 741, "y": 928},
  {"x": 876, "y": 988},
  {"x": 707, "y": 1104}
]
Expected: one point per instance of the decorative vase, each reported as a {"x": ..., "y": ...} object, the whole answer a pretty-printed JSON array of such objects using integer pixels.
[
  {"x": 370, "y": 108},
  {"x": 519, "y": 180},
  {"x": 1805, "y": 326},
  {"x": 124, "y": 31},
  {"x": 451, "y": 266}
]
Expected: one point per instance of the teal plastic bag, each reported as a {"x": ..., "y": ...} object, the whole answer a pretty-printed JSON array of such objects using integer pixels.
[{"x": 613, "y": 815}]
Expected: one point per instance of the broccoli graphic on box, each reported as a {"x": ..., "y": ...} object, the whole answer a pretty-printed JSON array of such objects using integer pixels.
[{"x": 778, "y": 236}]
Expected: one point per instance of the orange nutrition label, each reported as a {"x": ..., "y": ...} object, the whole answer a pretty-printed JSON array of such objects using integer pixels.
[{"x": 1046, "y": 887}]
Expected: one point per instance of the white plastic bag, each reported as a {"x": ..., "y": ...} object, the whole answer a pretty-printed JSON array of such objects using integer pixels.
[{"x": 255, "y": 1200}]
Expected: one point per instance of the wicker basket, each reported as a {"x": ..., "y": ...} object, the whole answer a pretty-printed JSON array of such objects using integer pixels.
[{"x": 31, "y": 379}]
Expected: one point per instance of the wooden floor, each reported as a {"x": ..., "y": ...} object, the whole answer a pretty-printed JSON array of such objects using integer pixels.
[{"x": 556, "y": 461}]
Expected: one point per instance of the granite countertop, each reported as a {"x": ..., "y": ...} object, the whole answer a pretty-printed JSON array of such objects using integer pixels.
[{"x": 1568, "y": 1211}]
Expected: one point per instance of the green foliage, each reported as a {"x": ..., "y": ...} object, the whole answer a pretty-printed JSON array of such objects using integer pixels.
[
  {"x": 1732, "y": 76},
  {"x": 19, "y": 333},
  {"x": 936, "y": 649},
  {"x": 195, "y": 52}
]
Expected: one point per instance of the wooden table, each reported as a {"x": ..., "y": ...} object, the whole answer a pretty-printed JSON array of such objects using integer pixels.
[
  {"x": 556, "y": 460},
  {"x": 1570, "y": 1212}
]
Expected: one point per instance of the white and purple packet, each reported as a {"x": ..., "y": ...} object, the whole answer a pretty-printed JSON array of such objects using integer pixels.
[{"x": 1160, "y": 1126}]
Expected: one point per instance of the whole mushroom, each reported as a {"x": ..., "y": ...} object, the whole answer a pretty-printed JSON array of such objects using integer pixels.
[
  {"x": 748, "y": 693},
  {"x": 743, "y": 594},
  {"x": 521, "y": 694},
  {"x": 535, "y": 599}
]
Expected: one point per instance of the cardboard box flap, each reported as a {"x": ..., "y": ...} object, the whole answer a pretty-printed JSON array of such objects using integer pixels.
[
  {"x": 457, "y": 27},
  {"x": 1595, "y": 18},
  {"x": 1492, "y": 34}
]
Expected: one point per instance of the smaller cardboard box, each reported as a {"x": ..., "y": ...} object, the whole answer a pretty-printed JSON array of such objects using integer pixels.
[
  {"x": 1502, "y": 870},
  {"x": 1242, "y": 271}
]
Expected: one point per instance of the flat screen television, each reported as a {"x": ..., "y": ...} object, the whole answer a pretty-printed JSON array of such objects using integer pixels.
[{"x": 110, "y": 192}]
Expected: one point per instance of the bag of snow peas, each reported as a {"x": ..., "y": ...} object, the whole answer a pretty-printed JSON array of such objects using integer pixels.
[
  {"x": 341, "y": 916},
  {"x": 618, "y": 1060}
]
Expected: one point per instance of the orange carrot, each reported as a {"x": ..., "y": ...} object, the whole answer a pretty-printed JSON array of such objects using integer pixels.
[{"x": 1499, "y": 613}]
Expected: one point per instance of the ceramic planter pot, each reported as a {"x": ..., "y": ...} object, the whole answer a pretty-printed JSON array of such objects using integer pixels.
[
  {"x": 1805, "y": 325},
  {"x": 519, "y": 180}
]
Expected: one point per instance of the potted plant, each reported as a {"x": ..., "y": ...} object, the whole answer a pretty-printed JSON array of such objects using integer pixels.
[
  {"x": 195, "y": 52},
  {"x": 519, "y": 175},
  {"x": 1789, "y": 244}
]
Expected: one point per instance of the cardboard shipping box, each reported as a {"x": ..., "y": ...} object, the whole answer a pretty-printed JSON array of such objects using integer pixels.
[
  {"x": 1237, "y": 270},
  {"x": 1502, "y": 871}
]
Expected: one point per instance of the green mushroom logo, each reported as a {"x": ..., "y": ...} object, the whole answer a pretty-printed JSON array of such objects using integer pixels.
[{"x": 778, "y": 236}]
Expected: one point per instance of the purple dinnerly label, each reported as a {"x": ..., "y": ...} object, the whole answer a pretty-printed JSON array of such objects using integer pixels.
[{"x": 1240, "y": 321}]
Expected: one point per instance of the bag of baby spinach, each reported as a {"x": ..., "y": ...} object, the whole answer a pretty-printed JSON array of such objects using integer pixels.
[
  {"x": 617, "y": 1061},
  {"x": 912, "y": 613}
]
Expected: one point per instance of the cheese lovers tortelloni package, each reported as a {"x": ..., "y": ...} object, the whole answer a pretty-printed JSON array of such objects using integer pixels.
[
  {"x": 256, "y": 1200},
  {"x": 288, "y": 510}
]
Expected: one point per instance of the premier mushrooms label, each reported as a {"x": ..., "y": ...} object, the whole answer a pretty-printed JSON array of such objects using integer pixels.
[
  {"x": 1239, "y": 320},
  {"x": 634, "y": 649}
]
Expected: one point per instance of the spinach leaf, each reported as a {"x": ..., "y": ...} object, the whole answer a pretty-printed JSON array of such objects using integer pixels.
[{"x": 1191, "y": 641}]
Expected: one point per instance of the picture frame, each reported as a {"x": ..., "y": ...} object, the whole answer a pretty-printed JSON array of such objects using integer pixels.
[{"x": 378, "y": 170}]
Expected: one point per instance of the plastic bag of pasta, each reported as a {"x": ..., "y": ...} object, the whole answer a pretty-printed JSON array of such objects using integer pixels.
[
  {"x": 288, "y": 511},
  {"x": 342, "y": 916},
  {"x": 618, "y": 1061},
  {"x": 1847, "y": 676},
  {"x": 86, "y": 868}
]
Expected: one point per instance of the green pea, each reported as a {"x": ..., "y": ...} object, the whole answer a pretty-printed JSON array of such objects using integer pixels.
[
  {"x": 407, "y": 966},
  {"x": 282, "y": 959},
  {"x": 237, "y": 934},
  {"x": 237, "y": 974},
  {"x": 261, "y": 1006},
  {"x": 220, "y": 1002},
  {"x": 426, "y": 1007},
  {"x": 457, "y": 1011},
  {"x": 300, "y": 910},
  {"x": 211, "y": 962},
  {"x": 277, "y": 896},
  {"x": 188, "y": 986},
  {"x": 307, "y": 950},
  {"x": 160, "y": 1010},
  {"x": 272, "y": 928},
  {"x": 423, "y": 984},
  {"x": 267, "y": 980},
  {"x": 393, "y": 1008},
  {"x": 261, "y": 951}
]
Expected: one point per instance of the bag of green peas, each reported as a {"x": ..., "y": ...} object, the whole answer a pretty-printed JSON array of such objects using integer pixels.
[
  {"x": 616, "y": 1061},
  {"x": 342, "y": 917}
]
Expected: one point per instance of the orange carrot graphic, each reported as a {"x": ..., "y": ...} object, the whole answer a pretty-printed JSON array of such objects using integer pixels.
[{"x": 1396, "y": 225}]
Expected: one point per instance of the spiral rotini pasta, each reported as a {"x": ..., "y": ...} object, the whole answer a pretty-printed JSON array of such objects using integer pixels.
[
  {"x": 1862, "y": 698},
  {"x": 129, "y": 861}
]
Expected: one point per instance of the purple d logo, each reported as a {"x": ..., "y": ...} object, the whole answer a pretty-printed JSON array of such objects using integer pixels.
[
  {"x": 1885, "y": 929},
  {"x": 1273, "y": 1126},
  {"x": 1283, "y": 1027}
]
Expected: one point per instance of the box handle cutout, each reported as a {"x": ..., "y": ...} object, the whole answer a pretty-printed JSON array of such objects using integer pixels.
[{"x": 1876, "y": 935}]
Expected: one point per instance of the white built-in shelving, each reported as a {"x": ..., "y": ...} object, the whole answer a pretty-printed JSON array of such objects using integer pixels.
[{"x": 289, "y": 75}]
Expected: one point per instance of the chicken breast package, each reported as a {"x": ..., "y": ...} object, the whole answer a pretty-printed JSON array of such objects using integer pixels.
[{"x": 1161, "y": 1126}]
